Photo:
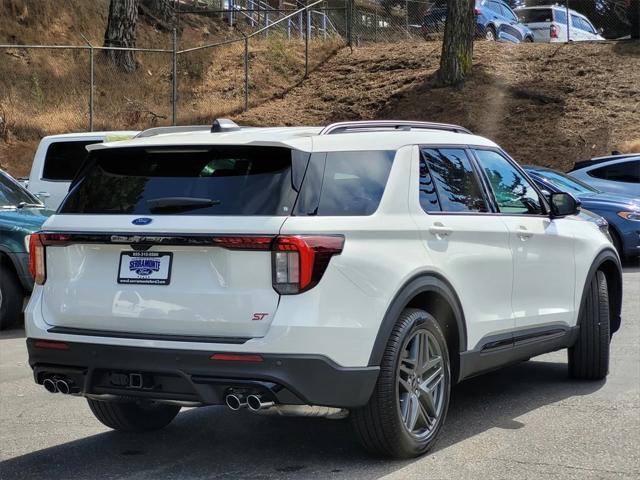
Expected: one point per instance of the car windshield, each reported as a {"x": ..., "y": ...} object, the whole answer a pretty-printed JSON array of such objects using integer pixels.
[
  {"x": 13, "y": 195},
  {"x": 566, "y": 183}
]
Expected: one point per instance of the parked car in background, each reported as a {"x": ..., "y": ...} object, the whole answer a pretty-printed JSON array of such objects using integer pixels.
[
  {"x": 549, "y": 24},
  {"x": 621, "y": 211},
  {"x": 494, "y": 21},
  {"x": 57, "y": 160},
  {"x": 615, "y": 173},
  {"x": 21, "y": 214}
]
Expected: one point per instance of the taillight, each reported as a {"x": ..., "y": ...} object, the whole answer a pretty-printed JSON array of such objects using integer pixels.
[
  {"x": 553, "y": 31},
  {"x": 476, "y": 12},
  {"x": 37, "y": 263},
  {"x": 299, "y": 261}
]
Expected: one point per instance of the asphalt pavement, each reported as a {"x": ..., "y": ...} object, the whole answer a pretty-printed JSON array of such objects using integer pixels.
[{"x": 525, "y": 421}]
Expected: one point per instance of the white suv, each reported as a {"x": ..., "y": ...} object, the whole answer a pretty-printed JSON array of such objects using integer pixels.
[{"x": 367, "y": 266}]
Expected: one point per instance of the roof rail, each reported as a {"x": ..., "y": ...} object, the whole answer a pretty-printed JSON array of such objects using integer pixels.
[
  {"x": 378, "y": 125},
  {"x": 151, "y": 132}
]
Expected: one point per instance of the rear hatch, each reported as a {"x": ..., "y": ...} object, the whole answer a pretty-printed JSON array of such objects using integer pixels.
[
  {"x": 538, "y": 20},
  {"x": 170, "y": 241}
]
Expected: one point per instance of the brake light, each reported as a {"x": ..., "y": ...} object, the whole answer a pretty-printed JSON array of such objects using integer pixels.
[
  {"x": 245, "y": 242},
  {"x": 476, "y": 12},
  {"x": 553, "y": 31},
  {"x": 299, "y": 261},
  {"x": 37, "y": 262},
  {"x": 52, "y": 345}
]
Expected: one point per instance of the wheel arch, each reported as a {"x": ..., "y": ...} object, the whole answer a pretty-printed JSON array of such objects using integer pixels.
[
  {"x": 431, "y": 292},
  {"x": 608, "y": 262}
]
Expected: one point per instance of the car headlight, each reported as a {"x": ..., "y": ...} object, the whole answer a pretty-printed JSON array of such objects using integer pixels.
[
  {"x": 633, "y": 216},
  {"x": 26, "y": 243}
]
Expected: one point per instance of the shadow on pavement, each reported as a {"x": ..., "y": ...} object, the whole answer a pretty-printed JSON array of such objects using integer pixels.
[{"x": 214, "y": 442}]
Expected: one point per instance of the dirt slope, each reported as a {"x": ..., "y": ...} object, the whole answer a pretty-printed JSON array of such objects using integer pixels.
[{"x": 546, "y": 104}]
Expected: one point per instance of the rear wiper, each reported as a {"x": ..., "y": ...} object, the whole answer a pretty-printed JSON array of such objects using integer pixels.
[{"x": 180, "y": 203}]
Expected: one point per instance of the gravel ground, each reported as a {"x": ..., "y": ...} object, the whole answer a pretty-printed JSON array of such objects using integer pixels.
[{"x": 526, "y": 421}]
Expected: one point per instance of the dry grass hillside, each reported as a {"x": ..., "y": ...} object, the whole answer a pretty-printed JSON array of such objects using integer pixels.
[{"x": 546, "y": 104}]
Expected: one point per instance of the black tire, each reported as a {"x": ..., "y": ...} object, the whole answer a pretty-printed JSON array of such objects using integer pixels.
[
  {"x": 490, "y": 34},
  {"x": 11, "y": 296},
  {"x": 133, "y": 417},
  {"x": 528, "y": 40},
  {"x": 379, "y": 424},
  {"x": 589, "y": 356}
]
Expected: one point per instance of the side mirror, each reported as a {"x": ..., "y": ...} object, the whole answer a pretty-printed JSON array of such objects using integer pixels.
[
  {"x": 563, "y": 204},
  {"x": 547, "y": 194}
]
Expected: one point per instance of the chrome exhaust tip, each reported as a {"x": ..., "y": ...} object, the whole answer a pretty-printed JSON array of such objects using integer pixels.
[
  {"x": 63, "y": 386},
  {"x": 255, "y": 403},
  {"x": 50, "y": 385},
  {"x": 235, "y": 402}
]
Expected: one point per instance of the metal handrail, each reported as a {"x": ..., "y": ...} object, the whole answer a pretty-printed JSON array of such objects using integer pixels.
[
  {"x": 399, "y": 125},
  {"x": 297, "y": 12}
]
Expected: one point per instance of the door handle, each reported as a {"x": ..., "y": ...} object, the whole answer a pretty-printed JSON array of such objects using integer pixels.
[
  {"x": 439, "y": 230},
  {"x": 523, "y": 233}
]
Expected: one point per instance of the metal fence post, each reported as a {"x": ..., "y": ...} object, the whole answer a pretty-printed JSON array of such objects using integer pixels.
[
  {"x": 174, "y": 80},
  {"x": 246, "y": 73},
  {"x": 91, "y": 81},
  {"x": 306, "y": 46},
  {"x": 568, "y": 21},
  {"x": 407, "y": 16},
  {"x": 349, "y": 15}
]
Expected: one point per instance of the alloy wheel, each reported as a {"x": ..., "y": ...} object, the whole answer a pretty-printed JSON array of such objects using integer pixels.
[{"x": 421, "y": 384}]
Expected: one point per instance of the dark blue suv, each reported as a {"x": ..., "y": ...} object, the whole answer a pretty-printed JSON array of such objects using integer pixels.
[{"x": 494, "y": 21}]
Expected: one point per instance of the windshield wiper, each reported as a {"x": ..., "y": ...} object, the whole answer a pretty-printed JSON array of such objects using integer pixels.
[
  {"x": 29, "y": 205},
  {"x": 180, "y": 203}
]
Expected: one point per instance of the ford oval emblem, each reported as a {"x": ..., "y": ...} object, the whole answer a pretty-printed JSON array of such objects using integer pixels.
[{"x": 142, "y": 221}]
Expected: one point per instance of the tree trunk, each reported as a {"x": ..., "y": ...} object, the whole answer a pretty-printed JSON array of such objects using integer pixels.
[
  {"x": 160, "y": 12},
  {"x": 121, "y": 32},
  {"x": 457, "y": 46}
]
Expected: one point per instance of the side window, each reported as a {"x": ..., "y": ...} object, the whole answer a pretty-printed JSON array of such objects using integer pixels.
[
  {"x": 344, "y": 183},
  {"x": 495, "y": 7},
  {"x": 575, "y": 22},
  {"x": 560, "y": 16},
  {"x": 628, "y": 172},
  {"x": 514, "y": 194},
  {"x": 446, "y": 176},
  {"x": 63, "y": 159},
  {"x": 586, "y": 25}
]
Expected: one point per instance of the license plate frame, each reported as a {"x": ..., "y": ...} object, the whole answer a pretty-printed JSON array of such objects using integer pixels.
[{"x": 155, "y": 271}]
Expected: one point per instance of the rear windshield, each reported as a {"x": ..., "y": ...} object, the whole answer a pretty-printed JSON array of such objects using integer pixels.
[
  {"x": 63, "y": 159},
  {"x": 229, "y": 180},
  {"x": 535, "y": 15},
  {"x": 233, "y": 180}
]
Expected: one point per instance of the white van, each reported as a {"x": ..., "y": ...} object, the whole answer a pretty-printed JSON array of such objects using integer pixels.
[
  {"x": 549, "y": 24},
  {"x": 57, "y": 160}
]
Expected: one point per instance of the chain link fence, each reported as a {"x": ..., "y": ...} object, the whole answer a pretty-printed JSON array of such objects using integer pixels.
[{"x": 268, "y": 50}]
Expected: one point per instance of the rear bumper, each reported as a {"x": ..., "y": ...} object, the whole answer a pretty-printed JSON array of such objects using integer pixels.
[{"x": 190, "y": 376}]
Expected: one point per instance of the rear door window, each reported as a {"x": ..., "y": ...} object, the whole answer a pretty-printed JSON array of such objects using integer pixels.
[
  {"x": 345, "y": 183},
  {"x": 628, "y": 172},
  {"x": 560, "y": 16},
  {"x": 448, "y": 182},
  {"x": 513, "y": 193},
  {"x": 63, "y": 159},
  {"x": 229, "y": 180}
]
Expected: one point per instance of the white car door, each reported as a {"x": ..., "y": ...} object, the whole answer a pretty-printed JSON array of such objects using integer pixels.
[
  {"x": 542, "y": 248},
  {"x": 577, "y": 34},
  {"x": 465, "y": 243}
]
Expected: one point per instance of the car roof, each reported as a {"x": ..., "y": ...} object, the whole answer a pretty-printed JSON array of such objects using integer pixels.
[
  {"x": 305, "y": 138},
  {"x": 555, "y": 7},
  {"x": 604, "y": 160}
]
